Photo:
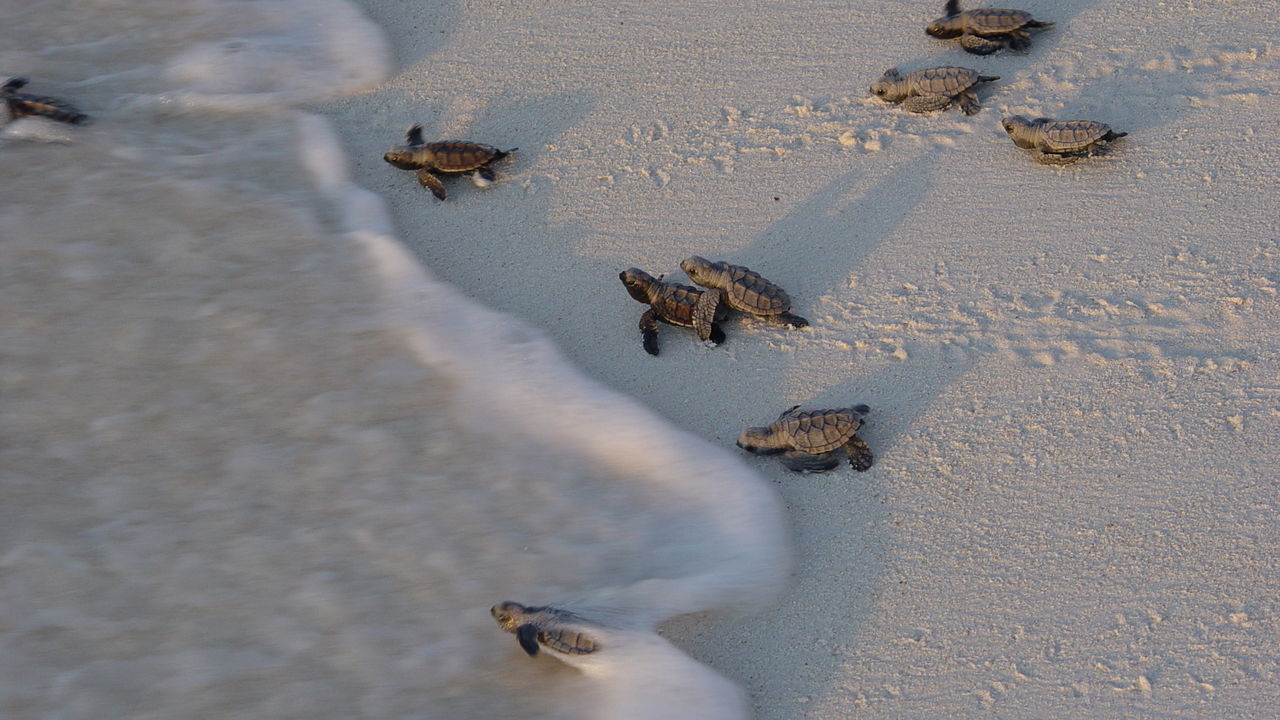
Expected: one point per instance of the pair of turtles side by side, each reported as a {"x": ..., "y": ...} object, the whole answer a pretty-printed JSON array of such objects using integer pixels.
[
  {"x": 932, "y": 89},
  {"x": 812, "y": 440},
  {"x": 724, "y": 287},
  {"x": 985, "y": 30},
  {"x": 449, "y": 156},
  {"x": 22, "y": 105},
  {"x": 1059, "y": 142},
  {"x": 558, "y": 630}
]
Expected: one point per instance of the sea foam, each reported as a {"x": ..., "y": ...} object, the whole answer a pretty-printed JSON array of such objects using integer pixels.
[{"x": 262, "y": 462}]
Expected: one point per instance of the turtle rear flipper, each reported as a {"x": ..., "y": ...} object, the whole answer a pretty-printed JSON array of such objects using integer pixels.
[
  {"x": 649, "y": 330},
  {"x": 926, "y": 103},
  {"x": 804, "y": 462},
  {"x": 860, "y": 456},
  {"x": 969, "y": 104},
  {"x": 979, "y": 45},
  {"x": 432, "y": 183},
  {"x": 704, "y": 317}
]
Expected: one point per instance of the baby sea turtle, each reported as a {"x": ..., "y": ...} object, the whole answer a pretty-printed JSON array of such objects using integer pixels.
[
  {"x": 811, "y": 440},
  {"x": 450, "y": 156},
  {"x": 1058, "y": 142},
  {"x": 985, "y": 30},
  {"x": 558, "y": 630},
  {"x": 743, "y": 289},
  {"x": 674, "y": 304},
  {"x": 932, "y": 89},
  {"x": 23, "y": 105}
]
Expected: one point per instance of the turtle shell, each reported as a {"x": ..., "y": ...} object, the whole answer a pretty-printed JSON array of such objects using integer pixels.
[
  {"x": 754, "y": 294},
  {"x": 1072, "y": 135},
  {"x": 676, "y": 303},
  {"x": 461, "y": 156},
  {"x": 819, "y": 431},
  {"x": 23, "y": 105},
  {"x": 941, "y": 80},
  {"x": 996, "y": 21},
  {"x": 567, "y": 641}
]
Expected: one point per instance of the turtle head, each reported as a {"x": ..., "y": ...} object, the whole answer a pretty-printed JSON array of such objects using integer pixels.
[
  {"x": 758, "y": 441},
  {"x": 888, "y": 87},
  {"x": 1019, "y": 128},
  {"x": 509, "y": 615},
  {"x": 638, "y": 283},
  {"x": 700, "y": 270},
  {"x": 950, "y": 25},
  {"x": 13, "y": 84},
  {"x": 404, "y": 157}
]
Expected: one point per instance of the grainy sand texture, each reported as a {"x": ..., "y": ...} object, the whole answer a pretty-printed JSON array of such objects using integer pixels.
[{"x": 1073, "y": 371}]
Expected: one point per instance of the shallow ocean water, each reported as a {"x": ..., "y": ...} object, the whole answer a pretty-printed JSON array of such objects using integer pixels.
[{"x": 257, "y": 462}]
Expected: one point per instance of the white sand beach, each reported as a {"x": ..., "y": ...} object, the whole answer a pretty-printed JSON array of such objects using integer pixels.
[
  {"x": 259, "y": 462},
  {"x": 1073, "y": 372}
]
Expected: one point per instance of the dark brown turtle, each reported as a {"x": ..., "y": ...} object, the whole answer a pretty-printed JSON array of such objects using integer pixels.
[
  {"x": 985, "y": 30},
  {"x": 24, "y": 105},
  {"x": 1058, "y": 142},
  {"x": 743, "y": 289},
  {"x": 812, "y": 440},
  {"x": 558, "y": 630},
  {"x": 674, "y": 304},
  {"x": 450, "y": 156},
  {"x": 931, "y": 89}
]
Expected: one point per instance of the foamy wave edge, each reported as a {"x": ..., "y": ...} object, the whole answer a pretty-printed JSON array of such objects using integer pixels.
[{"x": 499, "y": 361}]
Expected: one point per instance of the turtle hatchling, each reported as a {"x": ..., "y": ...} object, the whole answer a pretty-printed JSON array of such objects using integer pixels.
[
  {"x": 812, "y": 440},
  {"x": 1058, "y": 142},
  {"x": 449, "y": 156},
  {"x": 932, "y": 89},
  {"x": 743, "y": 289},
  {"x": 985, "y": 30},
  {"x": 560, "y": 631},
  {"x": 24, "y": 105},
  {"x": 674, "y": 304}
]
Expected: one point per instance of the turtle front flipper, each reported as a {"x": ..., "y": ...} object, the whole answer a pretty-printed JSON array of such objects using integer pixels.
[
  {"x": 1019, "y": 40},
  {"x": 1047, "y": 158},
  {"x": 979, "y": 45},
  {"x": 414, "y": 136},
  {"x": 649, "y": 330},
  {"x": 926, "y": 103},
  {"x": 527, "y": 635},
  {"x": 860, "y": 456},
  {"x": 432, "y": 183},
  {"x": 804, "y": 462},
  {"x": 969, "y": 104},
  {"x": 704, "y": 318}
]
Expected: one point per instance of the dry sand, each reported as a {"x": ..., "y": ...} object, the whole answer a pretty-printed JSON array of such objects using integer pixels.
[{"x": 1073, "y": 372}]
